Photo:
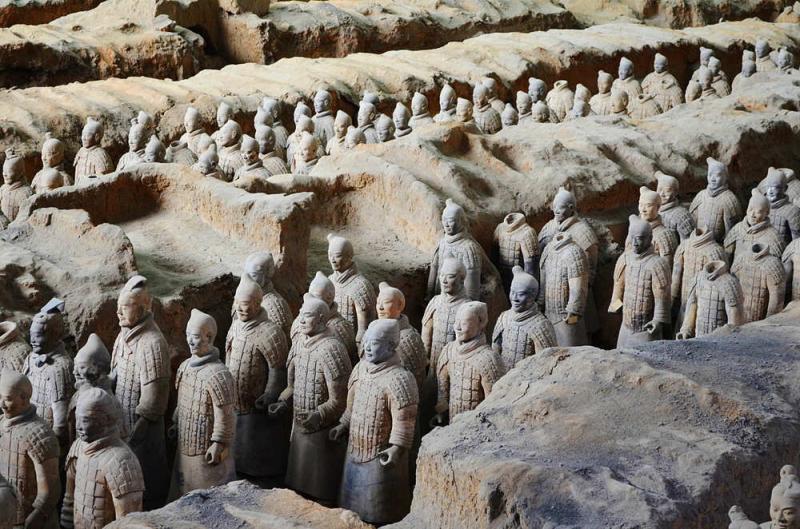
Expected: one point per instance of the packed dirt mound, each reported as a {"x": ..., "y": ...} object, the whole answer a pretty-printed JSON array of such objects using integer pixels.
[{"x": 39, "y": 11}]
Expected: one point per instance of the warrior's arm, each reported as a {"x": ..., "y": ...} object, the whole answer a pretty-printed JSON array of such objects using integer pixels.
[
  {"x": 344, "y": 420},
  {"x": 690, "y": 319},
  {"x": 68, "y": 505},
  {"x": 662, "y": 301},
  {"x": 577, "y": 296},
  {"x": 403, "y": 423},
  {"x": 777, "y": 291},
  {"x": 619, "y": 285},
  {"x": 224, "y": 424},
  {"x": 363, "y": 322},
  {"x": 287, "y": 394},
  {"x": 443, "y": 378},
  {"x": 130, "y": 502},
  {"x": 677, "y": 274},
  {"x": 276, "y": 375},
  {"x": 735, "y": 314},
  {"x": 788, "y": 268},
  {"x": 60, "y": 418},
  {"x": 48, "y": 485},
  {"x": 427, "y": 338},
  {"x": 332, "y": 409},
  {"x": 154, "y": 399},
  {"x": 472, "y": 283},
  {"x": 433, "y": 274}
]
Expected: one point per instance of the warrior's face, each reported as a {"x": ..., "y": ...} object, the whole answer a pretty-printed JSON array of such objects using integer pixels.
[
  {"x": 451, "y": 222},
  {"x": 377, "y": 350},
  {"x": 130, "y": 310},
  {"x": 521, "y": 298},
  {"x": 389, "y": 306},
  {"x": 199, "y": 341},
  {"x": 757, "y": 213},
  {"x": 774, "y": 193},
  {"x": 340, "y": 260},
  {"x": 86, "y": 373},
  {"x": 310, "y": 321},
  {"x": 640, "y": 242},
  {"x": 247, "y": 309},
  {"x": 12, "y": 401},
  {"x": 667, "y": 192},
  {"x": 451, "y": 282},
  {"x": 563, "y": 209},
  {"x": 467, "y": 326},
  {"x": 648, "y": 209}
]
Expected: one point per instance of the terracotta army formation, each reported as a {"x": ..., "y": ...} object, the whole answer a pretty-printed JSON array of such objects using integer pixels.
[
  {"x": 253, "y": 167},
  {"x": 764, "y": 61},
  {"x": 524, "y": 106},
  {"x": 270, "y": 161},
  {"x": 564, "y": 276},
  {"x": 715, "y": 301},
  {"x": 28, "y": 455},
  {"x": 691, "y": 257},
  {"x": 419, "y": 111},
  {"x": 401, "y": 118},
  {"x": 626, "y": 82},
  {"x": 716, "y": 207},
  {"x": 52, "y": 160},
  {"x": 522, "y": 330},
  {"x": 91, "y": 160},
  {"x": 601, "y": 102},
  {"x": 141, "y": 371},
  {"x": 307, "y": 154},
  {"x": 318, "y": 371},
  {"x": 193, "y": 128},
  {"x": 784, "y": 215},
  {"x": 560, "y": 101},
  {"x": 137, "y": 138},
  {"x": 517, "y": 245},
  {"x": 411, "y": 351},
  {"x": 49, "y": 368},
  {"x": 230, "y": 157},
  {"x": 208, "y": 163},
  {"x": 104, "y": 479},
  {"x": 154, "y": 151},
  {"x": 763, "y": 281},
  {"x": 365, "y": 122},
  {"x": 385, "y": 128},
  {"x": 204, "y": 422},
  {"x": 467, "y": 368},
  {"x": 260, "y": 267},
  {"x": 447, "y": 105},
  {"x": 14, "y": 191},
  {"x": 754, "y": 228},
  {"x": 14, "y": 350},
  {"x": 486, "y": 117},
  {"x": 674, "y": 216},
  {"x": 665, "y": 242},
  {"x": 92, "y": 369},
  {"x": 379, "y": 422},
  {"x": 323, "y": 117},
  {"x": 256, "y": 350},
  {"x": 342, "y": 122},
  {"x": 355, "y": 295},
  {"x": 641, "y": 288},
  {"x": 662, "y": 85}
]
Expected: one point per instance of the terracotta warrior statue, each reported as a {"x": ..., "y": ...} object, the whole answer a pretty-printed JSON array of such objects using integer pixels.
[
  {"x": 785, "y": 61},
  {"x": 641, "y": 288},
  {"x": 52, "y": 159},
  {"x": 464, "y": 112},
  {"x": 208, "y": 163},
  {"x": 787, "y": 479},
  {"x": 565, "y": 219},
  {"x": 140, "y": 367},
  {"x": 601, "y": 102},
  {"x": 342, "y": 122},
  {"x": 323, "y": 117},
  {"x": 662, "y": 85},
  {"x": 517, "y": 244},
  {"x": 136, "y": 141},
  {"x": 540, "y": 113},
  {"x": 419, "y": 111},
  {"x": 754, "y": 228},
  {"x": 522, "y": 330},
  {"x": 260, "y": 267},
  {"x": 674, "y": 216},
  {"x": 447, "y": 105},
  {"x": 154, "y": 151},
  {"x": 564, "y": 275},
  {"x": 104, "y": 478},
  {"x": 494, "y": 100},
  {"x": 304, "y": 125},
  {"x": 49, "y": 368},
  {"x": 230, "y": 157},
  {"x": 385, "y": 128},
  {"x": 323, "y": 289},
  {"x": 401, "y": 117},
  {"x": 28, "y": 455},
  {"x": 92, "y": 160},
  {"x": 307, "y": 155},
  {"x": 256, "y": 350},
  {"x": 537, "y": 89},
  {"x": 646, "y": 107},
  {"x": 714, "y": 301},
  {"x": 705, "y": 56},
  {"x": 15, "y": 190},
  {"x": 763, "y": 281},
  {"x": 365, "y": 121},
  {"x": 739, "y": 520},
  {"x": 705, "y": 80},
  {"x": 467, "y": 368},
  {"x": 410, "y": 348},
  {"x": 49, "y": 179},
  {"x": 719, "y": 80},
  {"x": 764, "y": 62},
  {"x": 783, "y": 214},
  {"x": 379, "y": 422},
  {"x": 355, "y": 295},
  {"x": 224, "y": 114},
  {"x": 204, "y": 422},
  {"x": 665, "y": 242},
  {"x": 744, "y": 77},
  {"x": 626, "y": 82},
  {"x": 353, "y": 138},
  {"x": 582, "y": 94},
  {"x": 509, "y": 116},
  {"x": 14, "y": 350},
  {"x": 318, "y": 370},
  {"x": 270, "y": 161},
  {"x": 560, "y": 101},
  {"x": 253, "y": 167},
  {"x": 619, "y": 103},
  {"x": 787, "y": 507},
  {"x": 524, "y": 106},
  {"x": 691, "y": 257},
  {"x": 486, "y": 118},
  {"x": 193, "y": 127},
  {"x": 440, "y": 314},
  {"x": 272, "y": 107},
  {"x": 716, "y": 207},
  {"x": 791, "y": 262},
  {"x": 92, "y": 370}
]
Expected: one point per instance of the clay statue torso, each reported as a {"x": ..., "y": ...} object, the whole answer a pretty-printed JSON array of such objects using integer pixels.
[
  {"x": 742, "y": 236},
  {"x": 353, "y": 293},
  {"x": 420, "y": 120},
  {"x": 487, "y": 119},
  {"x": 792, "y": 255},
  {"x": 522, "y": 334},
  {"x": 466, "y": 374},
  {"x": 631, "y": 86},
  {"x": 230, "y": 160},
  {"x": 274, "y": 164},
  {"x": 65, "y": 177},
  {"x": 690, "y": 258},
  {"x": 14, "y": 350},
  {"x": 785, "y": 217},
  {"x": 254, "y": 170},
  {"x": 515, "y": 243},
  {"x": 52, "y": 381},
  {"x": 677, "y": 219},
  {"x": 92, "y": 161},
  {"x": 665, "y": 88},
  {"x": 463, "y": 247},
  {"x": 411, "y": 351},
  {"x": 665, "y": 242},
  {"x": 192, "y": 140},
  {"x": 719, "y": 211},
  {"x": 582, "y": 234},
  {"x": 560, "y": 263},
  {"x": 12, "y": 196},
  {"x": 601, "y": 104},
  {"x": 323, "y": 126},
  {"x": 340, "y": 329},
  {"x": 130, "y": 158},
  {"x": 441, "y": 313},
  {"x": 763, "y": 282},
  {"x": 713, "y": 295},
  {"x": 647, "y": 279}
]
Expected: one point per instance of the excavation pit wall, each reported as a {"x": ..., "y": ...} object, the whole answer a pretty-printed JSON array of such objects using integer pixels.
[{"x": 40, "y": 11}]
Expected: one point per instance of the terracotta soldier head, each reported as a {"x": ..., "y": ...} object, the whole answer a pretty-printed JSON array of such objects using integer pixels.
[
  {"x": 230, "y": 133},
  {"x": 13, "y": 168},
  {"x": 401, "y": 116},
  {"x": 308, "y": 148},
  {"x": 369, "y": 97},
  {"x": 757, "y": 208},
  {"x": 313, "y": 315},
  {"x": 524, "y": 290},
  {"x": 480, "y": 95},
  {"x": 704, "y": 78},
  {"x": 625, "y": 68},
  {"x": 454, "y": 220},
  {"x": 604, "y": 82},
  {"x": 447, "y": 97},
  {"x": 15, "y": 393},
  {"x": 463, "y": 110},
  {"x": 391, "y": 302},
  {"x": 491, "y": 86},
  {"x": 540, "y": 112},
  {"x": 340, "y": 253},
  {"x": 524, "y": 103},
  {"x": 48, "y": 327},
  {"x": 201, "y": 330},
  {"x": 748, "y": 68},
  {"x": 97, "y": 415},
  {"x": 717, "y": 176},
  {"x": 366, "y": 114},
  {"x": 775, "y": 185},
  {"x": 582, "y": 93},
  {"x": 471, "y": 320},
  {"x": 380, "y": 340},
  {"x": 92, "y": 133},
  {"x": 137, "y": 135},
  {"x": 191, "y": 120},
  {"x": 564, "y": 205},
  {"x": 134, "y": 302},
  {"x": 272, "y": 107},
  {"x": 260, "y": 267},
  {"x": 714, "y": 66},
  {"x": 639, "y": 234},
  {"x": 355, "y": 136},
  {"x": 785, "y": 60},
  {"x": 619, "y": 102},
  {"x": 342, "y": 122},
  {"x": 92, "y": 363},
  {"x": 705, "y": 55},
  {"x": 451, "y": 276},
  {"x": 265, "y": 137},
  {"x": 419, "y": 104},
  {"x": 536, "y": 89},
  {"x": 667, "y": 187},
  {"x": 322, "y": 288},
  {"x": 250, "y": 149},
  {"x": 322, "y": 101},
  {"x": 649, "y": 202},
  {"x": 263, "y": 119},
  {"x": 762, "y": 49},
  {"x": 247, "y": 300},
  {"x": 385, "y": 128},
  {"x": 580, "y": 108},
  {"x": 301, "y": 109},
  {"x": 224, "y": 113},
  {"x": 660, "y": 63},
  {"x": 154, "y": 151},
  {"x": 509, "y": 117},
  {"x": 52, "y": 151},
  {"x": 208, "y": 161},
  {"x": 788, "y": 507}
]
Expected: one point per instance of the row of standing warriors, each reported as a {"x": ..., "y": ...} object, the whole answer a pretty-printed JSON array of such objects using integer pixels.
[
  {"x": 229, "y": 155},
  {"x": 784, "y": 505}
]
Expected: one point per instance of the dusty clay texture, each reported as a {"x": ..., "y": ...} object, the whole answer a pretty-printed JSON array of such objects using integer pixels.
[
  {"x": 39, "y": 11},
  {"x": 544, "y": 450},
  {"x": 241, "y": 504}
]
